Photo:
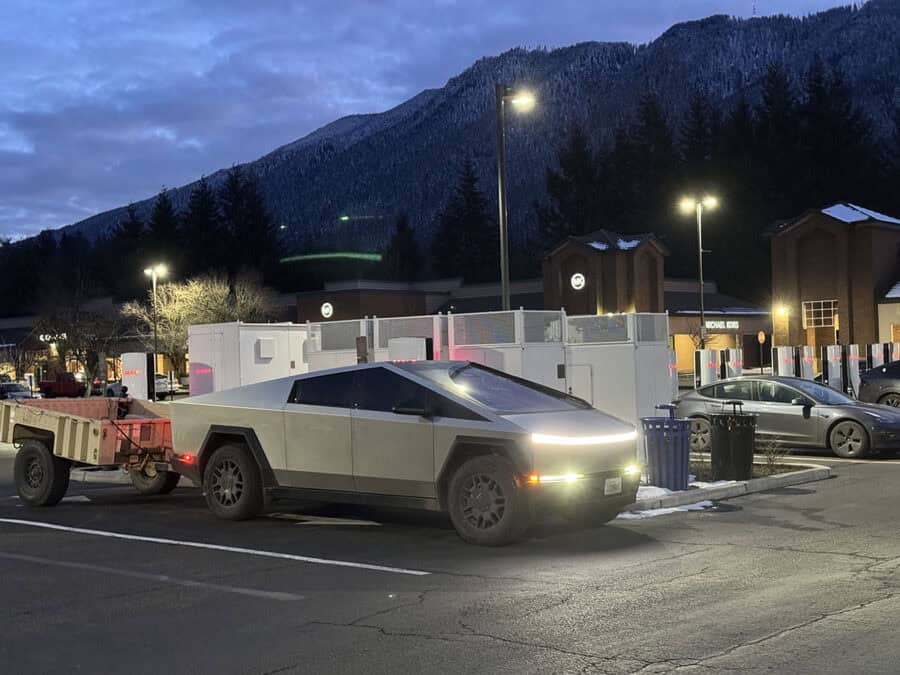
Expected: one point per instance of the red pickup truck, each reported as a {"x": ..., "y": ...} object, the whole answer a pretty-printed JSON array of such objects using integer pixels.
[{"x": 65, "y": 384}]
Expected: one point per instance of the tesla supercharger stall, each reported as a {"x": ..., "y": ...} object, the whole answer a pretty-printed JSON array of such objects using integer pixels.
[
  {"x": 806, "y": 362},
  {"x": 892, "y": 352},
  {"x": 706, "y": 367},
  {"x": 673, "y": 373},
  {"x": 875, "y": 354},
  {"x": 731, "y": 363},
  {"x": 784, "y": 361},
  {"x": 138, "y": 374},
  {"x": 833, "y": 366},
  {"x": 851, "y": 363}
]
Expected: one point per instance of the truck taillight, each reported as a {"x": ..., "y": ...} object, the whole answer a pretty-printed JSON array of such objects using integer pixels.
[{"x": 188, "y": 458}]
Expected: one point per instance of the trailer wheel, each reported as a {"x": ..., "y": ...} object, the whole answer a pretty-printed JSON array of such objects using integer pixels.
[
  {"x": 41, "y": 477},
  {"x": 232, "y": 484},
  {"x": 161, "y": 483}
]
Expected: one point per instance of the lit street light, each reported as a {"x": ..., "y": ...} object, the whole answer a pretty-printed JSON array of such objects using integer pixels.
[
  {"x": 523, "y": 100},
  {"x": 689, "y": 204},
  {"x": 156, "y": 272}
]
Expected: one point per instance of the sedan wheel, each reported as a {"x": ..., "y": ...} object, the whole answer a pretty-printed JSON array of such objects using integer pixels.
[
  {"x": 849, "y": 439},
  {"x": 701, "y": 434},
  {"x": 892, "y": 400}
]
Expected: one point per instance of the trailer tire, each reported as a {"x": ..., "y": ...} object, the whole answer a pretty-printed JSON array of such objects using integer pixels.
[
  {"x": 160, "y": 484},
  {"x": 232, "y": 484},
  {"x": 41, "y": 477}
]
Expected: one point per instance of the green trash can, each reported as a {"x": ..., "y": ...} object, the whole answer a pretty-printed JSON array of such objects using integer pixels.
[{"x": 731, "y": 443}]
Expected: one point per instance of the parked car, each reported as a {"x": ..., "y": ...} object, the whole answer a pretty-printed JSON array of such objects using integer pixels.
[
  {"x": 881, "y": 385},
  {"x": 459, "y": 437},
  {"x": 796, "y": 413},
  {"x": 16, "y": 391},
  {"x": 65, "y": 384},
  {"x": 165, "y": 387}
]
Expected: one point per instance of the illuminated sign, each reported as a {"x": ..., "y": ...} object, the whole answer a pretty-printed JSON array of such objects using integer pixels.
[
  {"x": 327, "y": 310},
  {"x": 577, "y": 281},
  {"x": 727, "y": 325},
  {"x": 50, "y": 337}
]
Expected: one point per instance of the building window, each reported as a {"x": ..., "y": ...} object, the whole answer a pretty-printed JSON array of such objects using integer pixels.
[{"x": 820, "y": 313}]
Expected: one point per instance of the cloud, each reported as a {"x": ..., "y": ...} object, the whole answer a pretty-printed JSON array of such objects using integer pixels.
[{"x": 109, "y": 100}]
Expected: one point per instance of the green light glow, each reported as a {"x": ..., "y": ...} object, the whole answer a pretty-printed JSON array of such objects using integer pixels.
[
  {"x": 338, "y": 255},
  {"x": 344, "y": 218}
]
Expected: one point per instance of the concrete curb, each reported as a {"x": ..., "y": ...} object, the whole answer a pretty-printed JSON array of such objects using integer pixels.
[{"x": 812, "y": 472}]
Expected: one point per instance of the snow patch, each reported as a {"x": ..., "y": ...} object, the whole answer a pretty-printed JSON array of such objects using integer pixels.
[
  {"x": 599, "y": 245},
  {"x": 851, "y": 213},
  {"x": 876, "y": 215},
  {"x": 653, "y": 513},
  {"x": 626, "y": 244},
  {"x": 894, "y": 293}
]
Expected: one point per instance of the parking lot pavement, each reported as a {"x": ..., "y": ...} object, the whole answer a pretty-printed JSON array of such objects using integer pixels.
[{"x": 795, "y": 580}]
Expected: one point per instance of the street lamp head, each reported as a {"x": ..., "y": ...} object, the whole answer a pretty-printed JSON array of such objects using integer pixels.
[
  {"x": 522, "y": 100},
  {"x": 710, "y": 202},
  {"x": 687, "y": 204},
  {"x": 157, "y": 270},
  {"x": 782, "y": 310}
]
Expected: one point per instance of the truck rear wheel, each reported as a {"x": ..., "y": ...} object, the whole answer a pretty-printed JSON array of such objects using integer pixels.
[
  {"x": 41, "y": 477},
  {"x": 161, "y": 483},
  {"x": 486, "y": 505},
  {"x": 232, "y": 484}
]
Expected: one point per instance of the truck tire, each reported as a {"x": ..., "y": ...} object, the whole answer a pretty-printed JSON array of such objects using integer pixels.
[
  {"x": 41, "y": 477},
  {"x": 162, "y": 483},
  {"x": 232, "y": 484},
  {"x": 486, "y": 506}
]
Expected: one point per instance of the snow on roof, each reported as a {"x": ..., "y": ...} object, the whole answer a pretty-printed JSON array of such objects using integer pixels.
[
  {"x": 624, "y": 244},
  {"x": 894, "y": 293},
  {"x": 851, "y": 213},
  {"x": 599, "y": 245}
]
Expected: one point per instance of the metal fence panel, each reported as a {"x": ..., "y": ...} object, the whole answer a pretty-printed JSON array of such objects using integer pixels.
[
  {"x": 652, "y": 327},
  {"x": 413, "y": 326},
  {"x": 494, "y": 328},
  {"x": 601, "y": 328},
  {"x": 339, "y": 334},
  {"x": 543, "y": 327}
]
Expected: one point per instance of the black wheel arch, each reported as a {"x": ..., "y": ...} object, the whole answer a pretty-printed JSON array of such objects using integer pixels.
[
  {"x": 219, "y": 435},
  {"x": 467, "y": 447},
  {"x": 24, "y": 433}
]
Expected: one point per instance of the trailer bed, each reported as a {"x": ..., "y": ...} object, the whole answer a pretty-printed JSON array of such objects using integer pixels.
[{"x": 89, "y": 431}]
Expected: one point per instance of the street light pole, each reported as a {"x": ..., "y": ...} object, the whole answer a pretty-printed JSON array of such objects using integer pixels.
[
  {"x": 155, "y": 273},
  {"x": 700, "y": 268},
  {"x": 501, "y": 92},
  {"x": 523, "y": 100}
]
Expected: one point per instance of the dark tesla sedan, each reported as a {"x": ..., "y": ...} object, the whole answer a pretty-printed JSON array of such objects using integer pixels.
[
  {"x": 796, "y": 413},
  {"x": 881, "y": 385}
]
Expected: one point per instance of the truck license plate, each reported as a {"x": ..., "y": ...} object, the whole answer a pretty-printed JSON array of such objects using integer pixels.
[{"x": 612, "y": 486}]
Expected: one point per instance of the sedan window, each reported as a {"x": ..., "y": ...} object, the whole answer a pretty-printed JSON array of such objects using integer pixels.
[
  {"x": 334, "y": 391},
  {"x": 738, "y": 391},
  {"x": 773, "y": 392}
]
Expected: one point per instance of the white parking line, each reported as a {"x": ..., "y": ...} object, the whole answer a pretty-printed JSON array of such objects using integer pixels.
[
  {"x": 215, "y": 547},
  {"x": 175, "y": 581}
]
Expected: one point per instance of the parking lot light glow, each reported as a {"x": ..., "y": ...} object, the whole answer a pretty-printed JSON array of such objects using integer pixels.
[{"x": 551, "y": 439}]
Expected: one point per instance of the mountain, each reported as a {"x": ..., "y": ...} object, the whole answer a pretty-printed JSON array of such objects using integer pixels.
[{"x": 368, "y": 167}]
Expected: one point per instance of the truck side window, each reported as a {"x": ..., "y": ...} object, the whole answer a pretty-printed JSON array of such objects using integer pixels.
[
  {"x": 334, "y": 391},
  {"x": 382, "y": 390}
]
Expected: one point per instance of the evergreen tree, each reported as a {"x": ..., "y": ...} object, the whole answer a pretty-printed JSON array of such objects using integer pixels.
[
  {"x": 201, "y": 230},
  {"x": 162, "y": 232},
  {"x": 249, "y": 233},
  {"x": 401, "y": 260},
  {"x": 778, "y": 141},
  {"x": 573, "y": 190},
  {"x": 466, "y": 243}
]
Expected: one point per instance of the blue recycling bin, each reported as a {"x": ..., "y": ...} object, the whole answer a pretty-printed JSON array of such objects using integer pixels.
[{"x": 667, "y": 441}]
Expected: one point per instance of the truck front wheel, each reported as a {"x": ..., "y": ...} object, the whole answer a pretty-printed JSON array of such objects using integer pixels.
[
  {"x": 232, "y": 484},
  {"x": 41, "y": 477},
  {"x": 486, "y": 505}
]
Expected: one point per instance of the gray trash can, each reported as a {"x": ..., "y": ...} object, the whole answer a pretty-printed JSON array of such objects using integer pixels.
[
  {"x": 731, "y": 443},
  {"x": 667, "y": 441}
]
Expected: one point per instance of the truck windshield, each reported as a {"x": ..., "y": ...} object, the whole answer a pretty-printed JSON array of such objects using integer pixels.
[{"x": 498, "y": 391}]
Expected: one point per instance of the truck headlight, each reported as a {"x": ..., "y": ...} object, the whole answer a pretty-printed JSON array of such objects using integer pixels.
[{"x": 606, "y": 439}]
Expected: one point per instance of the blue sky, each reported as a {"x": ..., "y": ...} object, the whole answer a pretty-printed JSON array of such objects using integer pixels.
[{"x": 103, "y": 102}]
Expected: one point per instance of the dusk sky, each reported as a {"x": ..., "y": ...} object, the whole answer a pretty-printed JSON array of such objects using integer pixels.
[{"x": 103, "y": 102}]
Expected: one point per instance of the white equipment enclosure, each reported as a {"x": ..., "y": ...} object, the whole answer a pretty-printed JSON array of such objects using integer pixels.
[
  {"x": 832, "y": 366},
  {"x": 784, "y": 361},
  {"x": 851, "y": 361},
  {"x": 228, "y": 355},
  {"x": 732, "y": 363},
  {"x": 806, "y": 362}
]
